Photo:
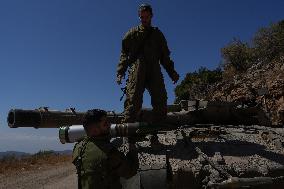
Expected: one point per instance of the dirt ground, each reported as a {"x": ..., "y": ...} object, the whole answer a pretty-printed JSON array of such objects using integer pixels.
[{"x": 50, "y": 177}]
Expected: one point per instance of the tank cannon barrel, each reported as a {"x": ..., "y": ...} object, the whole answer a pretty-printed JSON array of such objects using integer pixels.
[
  {"x": 45, "y": 118},
  {"x": 185, "y": 113}
]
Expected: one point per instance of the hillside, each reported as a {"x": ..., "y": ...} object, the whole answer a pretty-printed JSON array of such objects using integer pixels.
[
  {"x": 268, "y": 78},
  {"x": 12, "y": 162},
  {"x": 250, "y": 72}
]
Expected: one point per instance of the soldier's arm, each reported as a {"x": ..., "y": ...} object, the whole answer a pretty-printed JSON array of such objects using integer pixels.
[
  {"x": 124, "y": 55},
  {"x": 165, "y": 59},
  {"x": 125, "y": 166}
]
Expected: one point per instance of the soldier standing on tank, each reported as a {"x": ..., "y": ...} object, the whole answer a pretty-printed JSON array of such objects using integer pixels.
[
  {"x": 144, "y": 48},
  {"x": 99, "y": 164}
]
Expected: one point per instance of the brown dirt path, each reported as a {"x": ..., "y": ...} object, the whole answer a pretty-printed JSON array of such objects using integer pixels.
[{"x": 50, "y": 177}]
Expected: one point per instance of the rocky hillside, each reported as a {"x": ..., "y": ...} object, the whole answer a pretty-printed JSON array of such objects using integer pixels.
[
  {"x": 252, "y": 85},
  {"x": 250, "y": 72}
]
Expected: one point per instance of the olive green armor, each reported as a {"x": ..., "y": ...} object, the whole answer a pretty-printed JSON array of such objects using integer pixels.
[
  {"x": 143, "y": 50},
  {"x": 100, "y": 165}
]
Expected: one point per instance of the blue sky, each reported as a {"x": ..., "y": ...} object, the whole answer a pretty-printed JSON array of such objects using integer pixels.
[{"x": 64, "y": 53}]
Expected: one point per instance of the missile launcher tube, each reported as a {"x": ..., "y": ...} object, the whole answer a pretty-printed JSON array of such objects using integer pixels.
[{"x": 75, "y": 133}]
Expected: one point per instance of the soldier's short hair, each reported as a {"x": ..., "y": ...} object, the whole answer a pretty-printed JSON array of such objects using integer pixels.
[
  {"x": 145, "y": 7},
  {"x": 93, "y": 116}
]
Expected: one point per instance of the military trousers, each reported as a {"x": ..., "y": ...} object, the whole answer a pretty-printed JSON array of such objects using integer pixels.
[{"x": 141, "y": 77}]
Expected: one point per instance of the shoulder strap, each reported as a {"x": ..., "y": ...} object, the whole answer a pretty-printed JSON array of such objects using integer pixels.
[{"x": 78, "y": 161}]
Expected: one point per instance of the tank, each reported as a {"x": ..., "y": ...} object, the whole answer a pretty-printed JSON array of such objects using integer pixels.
[
  {"x": 202, "y": 144},
  {"x": 217, "y": 156}
]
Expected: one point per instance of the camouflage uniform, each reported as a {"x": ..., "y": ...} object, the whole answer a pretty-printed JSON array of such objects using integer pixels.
[
  {"x": 102, "y": 165},
  {"x": 145, "y": 71}
]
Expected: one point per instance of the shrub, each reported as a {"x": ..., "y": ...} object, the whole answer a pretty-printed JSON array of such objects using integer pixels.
[
  {"x": 269, "y": 42},
  {"x": 196, "y": 82},
  {"x": 237, "y": 56},
  {"x": 267, "y": 45}
]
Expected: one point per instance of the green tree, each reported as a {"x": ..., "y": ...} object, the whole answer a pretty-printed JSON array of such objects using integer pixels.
[
  {"x": 196, "y": 83},
  {"x": 269, "y": 42},
  {"x": 238, "y": 56}
]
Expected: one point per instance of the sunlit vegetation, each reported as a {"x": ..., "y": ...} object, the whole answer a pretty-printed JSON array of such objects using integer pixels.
[{"x": 266, "y": 46}]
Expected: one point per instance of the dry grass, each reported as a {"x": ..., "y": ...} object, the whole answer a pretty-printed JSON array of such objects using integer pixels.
[{"x": 40, "y": 160}]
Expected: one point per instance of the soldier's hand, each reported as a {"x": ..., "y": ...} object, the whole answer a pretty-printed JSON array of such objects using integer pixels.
[
  {"x": 119, "y": 79},
  {"x": 175, "y": 77}
]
